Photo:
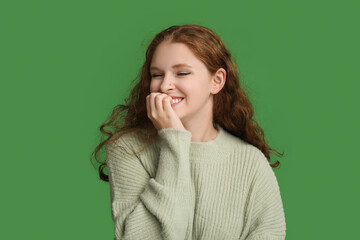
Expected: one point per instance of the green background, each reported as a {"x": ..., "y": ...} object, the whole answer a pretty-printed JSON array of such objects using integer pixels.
[{"x": 66, "y": 64}]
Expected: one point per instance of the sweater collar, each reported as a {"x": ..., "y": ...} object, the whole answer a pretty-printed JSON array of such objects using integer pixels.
[{"x": 214, "y": 150}]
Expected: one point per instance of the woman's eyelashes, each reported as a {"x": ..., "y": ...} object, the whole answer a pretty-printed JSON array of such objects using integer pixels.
[{"x": 180, "y": 74}]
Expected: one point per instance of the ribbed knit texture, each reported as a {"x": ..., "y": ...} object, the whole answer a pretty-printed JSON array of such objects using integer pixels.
[{"x": 176, "y": 189}]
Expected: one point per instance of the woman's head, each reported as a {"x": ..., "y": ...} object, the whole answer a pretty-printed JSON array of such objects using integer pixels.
[
  {"x": 198, "y": 46},
  {"x": 177, "y": 72},
  {"x": 193, "y": 45}
]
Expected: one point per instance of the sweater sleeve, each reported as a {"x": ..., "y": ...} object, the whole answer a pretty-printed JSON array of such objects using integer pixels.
[
  {"x": 151, "y": 208},
  {"x": 267, "y": 218}
]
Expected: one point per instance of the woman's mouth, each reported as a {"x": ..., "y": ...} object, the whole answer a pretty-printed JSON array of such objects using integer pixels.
[{"x": 176, "y": 101}]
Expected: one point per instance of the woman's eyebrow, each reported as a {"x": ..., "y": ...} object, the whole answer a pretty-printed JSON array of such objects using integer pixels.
[{"x": 174, "y": 66}]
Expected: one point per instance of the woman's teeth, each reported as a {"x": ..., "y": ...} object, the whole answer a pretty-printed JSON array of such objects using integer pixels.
[{"x": 176, "y": 100}]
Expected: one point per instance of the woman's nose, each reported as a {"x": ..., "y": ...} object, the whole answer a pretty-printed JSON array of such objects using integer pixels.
[{"x": 167, "y": 83}]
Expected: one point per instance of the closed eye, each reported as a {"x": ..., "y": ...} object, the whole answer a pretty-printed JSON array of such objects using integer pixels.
[
  {"x": 184, "y": 73},
  {"x": 180, "y": 74},
  {"x": 155, "y": 75}
]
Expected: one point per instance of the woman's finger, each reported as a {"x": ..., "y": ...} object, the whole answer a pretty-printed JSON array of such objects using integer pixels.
[
  {"x": 159, "y": 103},
  {"x": 148, "y": 105},
  {"x": 167, "y": 104},
  {"x": 153, "y": 108}
]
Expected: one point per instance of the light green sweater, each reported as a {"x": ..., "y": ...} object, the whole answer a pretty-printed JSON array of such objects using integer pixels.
[{"x": 178, "y": 189}]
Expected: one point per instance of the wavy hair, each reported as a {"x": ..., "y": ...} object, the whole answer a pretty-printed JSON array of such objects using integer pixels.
[{"x": 232, "y": 109}]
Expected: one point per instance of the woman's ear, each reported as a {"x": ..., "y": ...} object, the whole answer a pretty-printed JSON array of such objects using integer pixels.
[{"x": 218, "y": 81}]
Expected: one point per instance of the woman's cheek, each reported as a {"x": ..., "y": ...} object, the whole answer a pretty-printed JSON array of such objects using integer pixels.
[{"x": 153, "y": 87}]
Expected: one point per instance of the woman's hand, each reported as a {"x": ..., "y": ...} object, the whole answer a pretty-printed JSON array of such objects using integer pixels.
[{"x": 160, "y": 112}]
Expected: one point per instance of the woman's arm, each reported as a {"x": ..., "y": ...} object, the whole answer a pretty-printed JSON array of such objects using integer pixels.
[
  {"x": 151, "y": 208},
  {"x": 267, "y": 218}
]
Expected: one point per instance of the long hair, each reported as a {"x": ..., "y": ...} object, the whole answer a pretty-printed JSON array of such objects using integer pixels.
[{"x": 232, "y": 109}]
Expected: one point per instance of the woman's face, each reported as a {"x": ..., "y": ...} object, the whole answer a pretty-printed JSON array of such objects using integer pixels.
[{"x": 170, "y": 75}]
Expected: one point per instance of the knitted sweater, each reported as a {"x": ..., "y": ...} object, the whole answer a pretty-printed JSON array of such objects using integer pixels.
[{"x": 177, "y": 189}]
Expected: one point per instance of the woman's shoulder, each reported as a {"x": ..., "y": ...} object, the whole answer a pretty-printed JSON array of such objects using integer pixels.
[
  {"x": 252, "y": 159},
  {"x": 245, "y": 150},
  {"x": 239, "y": 143},
  {"x": 255, "y": 158}
]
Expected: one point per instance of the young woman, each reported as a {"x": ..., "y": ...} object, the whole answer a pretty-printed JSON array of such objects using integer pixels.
[{"x": 186, "y": 159}]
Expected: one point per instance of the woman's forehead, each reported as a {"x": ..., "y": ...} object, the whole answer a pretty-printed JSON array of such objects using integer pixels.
[{"x": 174, "y": 55}]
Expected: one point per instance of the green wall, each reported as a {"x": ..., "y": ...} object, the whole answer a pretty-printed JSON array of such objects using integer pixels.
[{"x": 66, "y": 64}]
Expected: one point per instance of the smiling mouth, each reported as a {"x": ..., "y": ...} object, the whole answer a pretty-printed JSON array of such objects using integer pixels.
[{"x": 176, "y": 101}]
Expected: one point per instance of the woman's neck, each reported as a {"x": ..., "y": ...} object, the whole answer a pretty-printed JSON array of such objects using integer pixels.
[{"x": 203, "y": 132}]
